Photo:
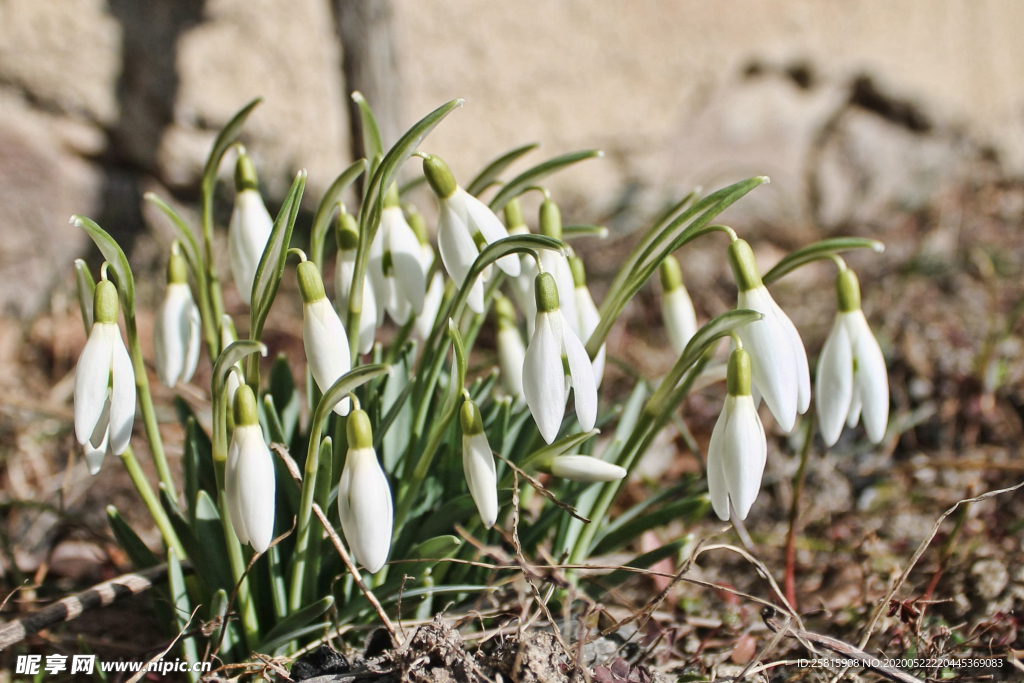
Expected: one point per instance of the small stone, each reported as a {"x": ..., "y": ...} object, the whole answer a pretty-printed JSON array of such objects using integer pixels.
[{"x": 991, "y": 578}]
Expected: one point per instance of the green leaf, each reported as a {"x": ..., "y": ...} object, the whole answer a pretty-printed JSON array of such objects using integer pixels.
[
  {"x": 293, "y": 626},
  {"x": 325, "y": 210},
  {"x": 618, "y": 536},
  {"x": 489, "y": 174},
  {"x": 620, "y": 576},
  {"x": 137, "y": 551},
  {"x": 271, "y": 268},
  {"x": 219, "y": 611},
  {"x": 190, "y": 468},
  {"x": 186, "y": 534},
  {"x": 373, "y": 147},
  {"x": 113, "y": 254},
  {"x": 819, "y": 250},
  {"x": 182, "y": 609},
  {"x": 286, "y": 397},
  {"x": 397, "y": 414},
  {"x": 213, "y": 551},
  {"x": 532, "y": 176},
  {"x": 227, "y": 359},
  {"x": 456, "y": 511},
  {"x": 85, "y": 285},
  {"x": 185, "y": 234},
  {"x": 550, "y": 451},
  {"x": 227, "y": 136}
]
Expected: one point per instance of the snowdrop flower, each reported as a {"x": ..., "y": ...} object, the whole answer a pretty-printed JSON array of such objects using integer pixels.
[
  {"x": 176, "y": 330},
  {"x": 364, "y": 497},
  {"x": 465, "y": 226},
  {"x": 323, "y": 335},
  {"x": 346, "y": 234},
  {"x": 738, "y": 448},
  {"x": 478, "y": 464},
  {"x": 851, "y": 382},
  {"x": 676, "y": 307},
  {"x": 419, "y": 227},
  {"x": 778, "y": 359},
  {"x": 586, "y": 469},
  {"x": 249, "y": 229},
  {"x": 249, "y": 479},
  {"x": 587, "y": 316},
  {"x": 556, "y": 360},
  {"x": 511, "y": 349},
  {"x": 557, "y": 264},
  {"x": 104, "y": 384},
  {"x": 397, "y": 264}
]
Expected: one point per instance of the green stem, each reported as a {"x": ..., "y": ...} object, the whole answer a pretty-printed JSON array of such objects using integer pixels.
[
  {"x": 163, "y": 522},
  {"x": 789, "y": 579},
  {"x": 246, "y": 607},
  {"x": 156, "y": 444}
]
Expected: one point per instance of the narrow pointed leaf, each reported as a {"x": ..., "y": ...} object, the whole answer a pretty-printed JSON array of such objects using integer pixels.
[
  {"x": 182, "y": 610},
  {"x": 534, "y": 175},
  {"x": 373, "y": 147},
  {"x": 271, "y": 268},
  {"x": 113, "y": 254},
  {"x": 213, "y": 548},
  {"x": 225, "y": 138},
  {"x": 490, "y": 173},
  {"x": 85, "y": 285},
  {"x": 292, "y": 627},
  {"x": 620, "y": 576},
  {"x": 138, "y": 552},
  {"x": 185, "y": 234},
  {"x": 817, "y": 251}
]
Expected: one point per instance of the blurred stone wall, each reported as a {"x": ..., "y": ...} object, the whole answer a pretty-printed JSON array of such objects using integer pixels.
[{"x": 849, "y": 105}]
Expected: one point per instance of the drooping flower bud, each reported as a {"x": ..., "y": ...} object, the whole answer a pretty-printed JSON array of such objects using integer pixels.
[
  {"x": 587, "y": 316},
  {"x": 738, "y": 449},
  {"x": 586, "y": 469},
  {"x": 346, "y": 233},
  {"x": 511, "y": 349},
  {"x": 249, "y": 229},
  {"x": 249, "y": 478},
  {"x": 676, "y": 307},
  {"x": 478, "y": 464},
  {"x": 176, "y": 331},
  {"x": 364, "y": 497},
  {"x": 323, "y": 335}
]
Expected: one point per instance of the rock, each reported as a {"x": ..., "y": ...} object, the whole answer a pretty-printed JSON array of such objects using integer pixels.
[
  {"x": 990, "y": 578},
  {"x": 323, "y": 661}
]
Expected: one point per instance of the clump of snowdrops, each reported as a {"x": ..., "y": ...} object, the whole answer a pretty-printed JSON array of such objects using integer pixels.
[{"x": 391, "y": 459}]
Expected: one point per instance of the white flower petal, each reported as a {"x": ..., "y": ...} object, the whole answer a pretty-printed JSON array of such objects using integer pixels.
[
  {"x": 772, "y": 361},
  {"x": 92, "y": 376},
  {"x": 833, "y": 389},
  {"x": 589, "y": 318},
  {"x": 556, "y": 264},
  {"x": 581, "y": 373},
  {"x": 481, "y": 476},
  {"x": 172, "y": 333},
  {"x": 855, "y": 405},
  {"x": 543, "y": 383},
  {"x": 194, "y": 341},
  {"x": 800, "y": 353},
  {"x": 458, "y": 251},
  {"x": 365, "y": 509},
  {"x": 375, "y": 272},
  {"x": 679, "y": 317},
  {"x": 481, "y": 218},
  {"x": 511, "y": 354},
  {"x": 431, "y": 305},
  {"x": 99, "y": 443},
  {"x": 871, "y": 377},
  {"x": 326, "y": 344},
  {"x": 718, "y": 489},
  {"x": 231, "y": 486},
  {"x": 745, "y": 452},
  {"x": 248, "y": 234},
  {"x": 586, "y": 469},
  {"x": 255, "y": 487},
  {"x": 343, "y": 271},
  {"x": 407, "y": 260},
  {"x": 122, "y": 394}
]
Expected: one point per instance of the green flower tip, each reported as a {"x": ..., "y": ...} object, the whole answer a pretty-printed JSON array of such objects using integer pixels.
[
  {"x": 104, "y": 302},
  {"x": 469, "y": 418},
  {"x": 848, "y": 291},
  {"x": 738, "y": 375},
  {"x": 245, "y": 407},
  {"x": 346, "y": 231},
  {"x": 439, "y": 176},
  {"x": 177, "y": 269},
  {"x": 311, "y": 286},
  {"x": 245, "y": 173},
  {"x": 360, "y": 434},
  {"x": 579, "y": 274},
  {"x": 547, "y": 293},
  {"x": 744, "y": 266},
  {"x": 550, "y": 219},
  {"x": 514, "y": 214},
  {"x": 671, "y": 274},
  {"x": 391, "y": 197},
  {"x": 418, "y": 225}
]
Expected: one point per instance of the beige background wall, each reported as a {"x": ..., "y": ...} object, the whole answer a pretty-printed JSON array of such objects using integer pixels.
[{"x": 99, "y": 99}]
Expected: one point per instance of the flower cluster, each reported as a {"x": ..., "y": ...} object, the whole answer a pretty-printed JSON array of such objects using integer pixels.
[{"x": 383, "y": 428}]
